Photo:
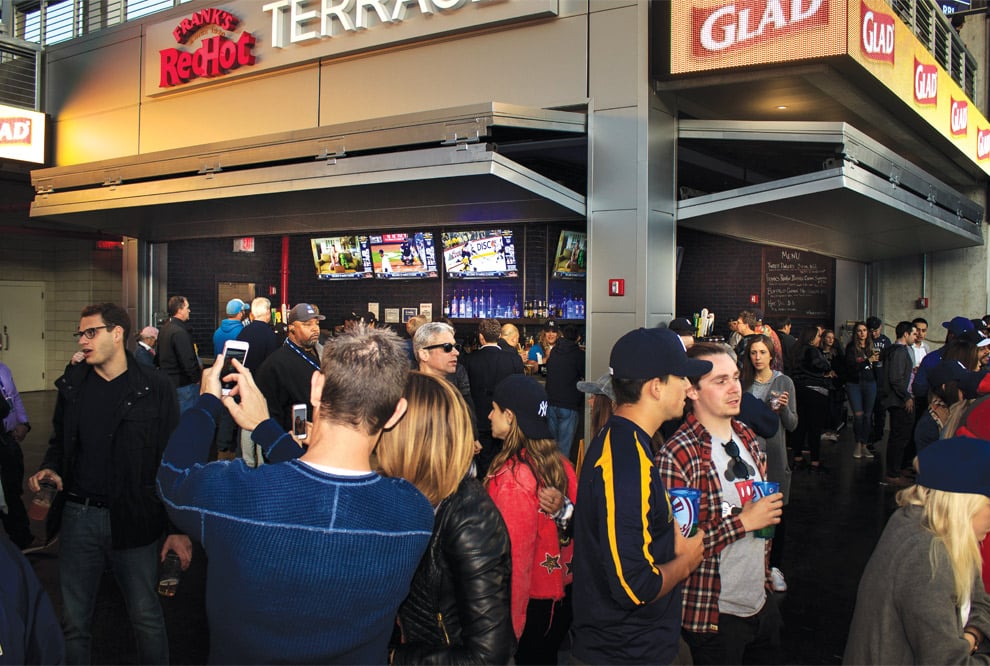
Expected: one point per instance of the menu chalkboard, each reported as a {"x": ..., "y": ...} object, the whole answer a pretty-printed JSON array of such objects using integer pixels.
[{"x": 797, "y": 284}]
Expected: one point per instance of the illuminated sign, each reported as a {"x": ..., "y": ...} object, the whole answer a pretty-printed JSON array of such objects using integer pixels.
[
  {"x": 751, "y": 32},
  {"x": 279, "y": 34},
  {"x": 217, "y": 54},
  {"x": 982, "y": 144},
  {"x": 22, "y": 135}
]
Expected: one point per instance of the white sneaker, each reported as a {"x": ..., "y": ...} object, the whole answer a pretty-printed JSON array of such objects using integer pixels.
[{"x": 777, "y": 580}]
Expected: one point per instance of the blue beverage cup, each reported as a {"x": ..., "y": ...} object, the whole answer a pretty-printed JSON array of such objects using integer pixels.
[
  {"x": 763, "y": 489},
  {"x": 686, "y": 504}
]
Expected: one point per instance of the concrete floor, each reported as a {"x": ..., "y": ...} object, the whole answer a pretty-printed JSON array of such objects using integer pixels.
[{"x": 833, "y": 522}]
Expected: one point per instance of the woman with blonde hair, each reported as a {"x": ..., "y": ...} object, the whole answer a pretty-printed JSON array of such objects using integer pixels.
[
  {"x": 458, "y": 607},
  {"x": 529, "y": 462},
  {"x": 921, "y": 599}
]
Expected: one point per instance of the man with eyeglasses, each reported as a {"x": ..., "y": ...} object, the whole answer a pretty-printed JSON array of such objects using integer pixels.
[
  {"x": 729, "y": 617},
  {"x": 437, "y": 352},
  {"x": 113, "y": 417},
  {"x": 630, "y": 558},
  {"x": 177, "y": 354}
]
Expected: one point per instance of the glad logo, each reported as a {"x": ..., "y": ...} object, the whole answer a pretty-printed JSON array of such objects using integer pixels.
[
  {"x": 982, "y": 144},
  {"x": 15, "y": 131},
  {"x": 746, "y": 22},
  {"x": 925, "y": 83},
  {"x": 959, "y": 117},
  {"x": 876, "y": 39}
]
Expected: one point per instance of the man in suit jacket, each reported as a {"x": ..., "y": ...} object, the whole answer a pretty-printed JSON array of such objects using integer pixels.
[{"x": 486, "y": 367}]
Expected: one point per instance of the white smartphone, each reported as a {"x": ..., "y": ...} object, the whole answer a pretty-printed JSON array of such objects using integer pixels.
[
  {"x": 299, "y": 421},
  {"x": 231, "y": 349}
]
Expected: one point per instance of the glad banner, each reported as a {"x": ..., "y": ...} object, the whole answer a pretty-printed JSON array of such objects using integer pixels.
[
  {"x": 22, "y": 135},
  {"x": 884, "y": 46},
  {"x": 734, "y": 33}
]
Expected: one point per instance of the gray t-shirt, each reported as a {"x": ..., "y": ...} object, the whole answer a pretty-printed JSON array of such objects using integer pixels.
[{"x": 742, "y": 564}]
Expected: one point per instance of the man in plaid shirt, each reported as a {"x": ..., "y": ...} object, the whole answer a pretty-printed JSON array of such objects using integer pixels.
[{"x": 727, "y": 612}]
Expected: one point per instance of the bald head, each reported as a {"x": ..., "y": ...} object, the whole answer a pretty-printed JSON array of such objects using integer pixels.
[{"x": 510, "y": 334}]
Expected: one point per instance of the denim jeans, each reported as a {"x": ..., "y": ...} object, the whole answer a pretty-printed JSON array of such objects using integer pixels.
[
  {"x": 84, "y": 552},
  {"x": 861, "y": 397},
  {"x": 188, "y": 395},
  {"x": 563, "y": 424}
]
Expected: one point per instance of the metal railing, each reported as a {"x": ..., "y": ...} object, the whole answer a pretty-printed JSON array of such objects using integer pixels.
[{"x": 934, "y": 29}]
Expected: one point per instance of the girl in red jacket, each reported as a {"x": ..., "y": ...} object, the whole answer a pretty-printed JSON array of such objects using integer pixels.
[{"x": 529, "y": 463}]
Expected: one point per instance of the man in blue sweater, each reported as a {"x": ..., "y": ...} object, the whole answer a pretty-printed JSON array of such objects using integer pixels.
[{"x": 309, "y": 559}]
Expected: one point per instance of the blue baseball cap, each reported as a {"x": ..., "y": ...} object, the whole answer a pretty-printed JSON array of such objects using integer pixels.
[
  {"x": 235, "y": 306},
  {"x": 653, "y": 352},
  {"x": 958, "y": 325},
  {"x": 956, "y": 465}
]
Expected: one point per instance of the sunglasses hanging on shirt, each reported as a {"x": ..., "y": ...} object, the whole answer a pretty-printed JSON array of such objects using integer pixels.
[{"x": 737, "y": 468}]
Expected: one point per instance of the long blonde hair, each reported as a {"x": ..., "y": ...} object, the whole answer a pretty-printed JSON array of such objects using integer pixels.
[
  {"x": 949, "y": 516},
  {"x": 432, "y": 445},
  {"x": 542, "y": 457}
]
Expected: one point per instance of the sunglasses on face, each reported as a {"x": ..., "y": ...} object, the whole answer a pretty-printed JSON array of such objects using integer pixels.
[
  {"x": 447, "y": 347},
  {"x": 90, "y": 333},
  {"x": 738, "y": 468}
]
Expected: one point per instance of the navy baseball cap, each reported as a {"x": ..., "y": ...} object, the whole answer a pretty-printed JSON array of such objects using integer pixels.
[
  {"x": 681, "y": 326},
  {"x": 528, "y": 401},
  {"x": 956, "y": 465},
  {"x": 653, "y": 352},
  {"x": 958, "y": 325}
]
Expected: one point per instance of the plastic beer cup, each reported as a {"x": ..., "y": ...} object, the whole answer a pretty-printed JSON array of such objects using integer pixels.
[
  {"x": 762, "y": 489},
  {"x": 686, "y": 503}
]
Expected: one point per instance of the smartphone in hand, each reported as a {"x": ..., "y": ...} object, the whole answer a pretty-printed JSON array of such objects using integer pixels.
[
  {"x": 231, "y": 349},
  {"x": 299, "y": 421}
]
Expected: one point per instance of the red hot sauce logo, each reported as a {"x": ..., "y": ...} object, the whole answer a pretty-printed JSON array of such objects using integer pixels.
[
  {"x": 959, "y": 117},
  {"x": 925, "y": 83},
  {"x": 216, "y": 56},
  {"x": 876, "y": 38}
]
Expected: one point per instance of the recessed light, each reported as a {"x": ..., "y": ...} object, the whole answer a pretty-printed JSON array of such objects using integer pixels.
[{"x": 781, "y": 108}]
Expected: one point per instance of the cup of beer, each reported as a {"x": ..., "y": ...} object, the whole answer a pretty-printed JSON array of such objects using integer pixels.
[
  {"x": 168, "y": 581},
  {"x": 686, "y": 503},
  {"x": 42, "y": 501},
  {"x": 763, "y": 489}
]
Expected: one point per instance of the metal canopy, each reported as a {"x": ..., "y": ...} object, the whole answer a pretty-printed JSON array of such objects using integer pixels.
[
  {"x": 382, "y": 173},
  {"x": 866, "y": 204}
]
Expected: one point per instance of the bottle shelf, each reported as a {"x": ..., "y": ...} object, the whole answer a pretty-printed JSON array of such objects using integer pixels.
[{"x": 522, "y": 321}]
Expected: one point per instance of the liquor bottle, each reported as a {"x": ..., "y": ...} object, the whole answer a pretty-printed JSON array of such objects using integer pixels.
[
  {"x": 446, "y": 308},
  {"x": 515, "y": 308},
  {"x": 461, "y": 307},
  {"x": 569, "y": 307},
  {"x": 468, "y": 307},
  {"x": 474, "y": 304},
  {"x": 491, "y": 306},
  {"x": 552, "y": 307},
  {"x": 580, "y": 307}
]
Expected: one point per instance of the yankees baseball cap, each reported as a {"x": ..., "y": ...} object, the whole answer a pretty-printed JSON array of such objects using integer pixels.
[{"x": 528, "y": 401}]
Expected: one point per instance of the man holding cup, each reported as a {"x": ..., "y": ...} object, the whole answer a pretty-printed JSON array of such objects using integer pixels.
[
  {"x": 727, "y": 611},
  {"x": 629, "y": 556}
]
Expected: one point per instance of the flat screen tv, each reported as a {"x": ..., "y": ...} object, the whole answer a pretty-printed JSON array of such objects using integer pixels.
[
  {"x": 342, "y": 257},
  {"x": 571, "y": 259},
  {"x": 479, "y": 254},
  {"x": 403, "y": 256}
]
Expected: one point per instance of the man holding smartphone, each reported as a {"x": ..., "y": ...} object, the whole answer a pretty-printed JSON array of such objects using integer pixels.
[{"x": 285, "y": 375}]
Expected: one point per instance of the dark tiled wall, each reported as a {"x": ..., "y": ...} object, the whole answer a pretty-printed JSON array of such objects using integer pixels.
[{"x": 195, "y": 267}]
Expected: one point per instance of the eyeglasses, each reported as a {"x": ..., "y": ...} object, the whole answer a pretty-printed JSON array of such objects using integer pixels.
[
  {"x": 90, "y": 333},
  {"x": 447, "y": 347},
  {"x": 739, "y": 469}
]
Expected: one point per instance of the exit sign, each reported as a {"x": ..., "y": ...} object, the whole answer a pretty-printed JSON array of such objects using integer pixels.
[{"x": 244, "y": 244}]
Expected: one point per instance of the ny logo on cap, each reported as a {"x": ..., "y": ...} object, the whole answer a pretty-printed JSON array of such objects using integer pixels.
[{"x": 542, "y": 410}]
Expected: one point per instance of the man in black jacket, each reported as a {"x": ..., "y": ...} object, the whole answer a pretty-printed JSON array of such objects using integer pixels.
[
  {"x": 113, "y": 417},
  {"x": 284, "y": 377},
  {"x": 177, "y": 354},
  {"x": 565, "y": 368},
  {"x": 486, "y": 367},
  {"x": 898, "y": 364}
]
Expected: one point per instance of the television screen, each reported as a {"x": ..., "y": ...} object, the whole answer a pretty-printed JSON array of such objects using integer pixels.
[
  {"x": 479, "y": 254},
  {"x": 342, "y": 257},
  {"x": 397, "y": 256},
  {"x": 571, "y": 260}
]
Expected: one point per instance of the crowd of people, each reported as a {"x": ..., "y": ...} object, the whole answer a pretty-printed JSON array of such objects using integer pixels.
[{"x": 443, "y": 508}]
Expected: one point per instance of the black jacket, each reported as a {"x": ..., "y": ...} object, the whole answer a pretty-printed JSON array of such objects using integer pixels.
[
  {"x": 810, "y": 367},
  {"x": 176, "y": 354},
  {"x": 565, "y": 368},
  {"x": 142, "y": 424},
  {"x": 284, "y": 379},
  {"x": 486, "y": 367},
  {"x": 459, "y": 606}
]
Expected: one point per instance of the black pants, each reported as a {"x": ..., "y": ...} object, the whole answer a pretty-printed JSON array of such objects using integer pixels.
[
  {"x": 15, "y": 521},
  {"x": 812, "y": 415},
  {"x": 547, "y": 623},
  {"x": 740, "y": 640},
  {"x": 901, "y": 431}
]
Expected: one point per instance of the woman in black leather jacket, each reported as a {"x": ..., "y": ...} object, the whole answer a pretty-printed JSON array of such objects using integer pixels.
[
  {"x": 812, "y": 377},
  {"x": 458, "y": 607}
]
